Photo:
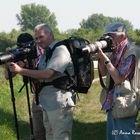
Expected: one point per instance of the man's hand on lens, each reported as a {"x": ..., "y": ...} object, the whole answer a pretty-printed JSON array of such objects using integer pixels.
[
  {"x": 13, "y": 67},
  {"x": 102, "y": 55}
]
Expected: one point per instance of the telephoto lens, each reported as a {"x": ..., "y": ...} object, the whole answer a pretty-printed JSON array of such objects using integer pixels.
[{"x": 105, "y": 43}]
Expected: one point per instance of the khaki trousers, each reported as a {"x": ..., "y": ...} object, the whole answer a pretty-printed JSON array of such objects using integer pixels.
[
  {"x": 58, "y": 124},
  {"x": 38, "y": 126}
]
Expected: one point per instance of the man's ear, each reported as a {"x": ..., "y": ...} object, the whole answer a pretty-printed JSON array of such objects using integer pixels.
[{"x": 123, "y": 35}]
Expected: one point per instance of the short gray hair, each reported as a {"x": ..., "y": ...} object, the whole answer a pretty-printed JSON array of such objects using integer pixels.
[{"x": 44, "y": 27}]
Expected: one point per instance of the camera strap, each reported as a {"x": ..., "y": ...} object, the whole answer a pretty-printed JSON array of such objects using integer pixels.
[
  {"x": 62, "y": 83},
  {"x": 49, "y": 52},
  {"x": 101, "y": 80}
]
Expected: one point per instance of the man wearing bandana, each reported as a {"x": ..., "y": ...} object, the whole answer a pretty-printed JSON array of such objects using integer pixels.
[{"x": 117, "y": 68}]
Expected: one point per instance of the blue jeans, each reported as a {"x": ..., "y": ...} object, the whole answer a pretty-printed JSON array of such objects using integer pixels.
[{"x": 120, "y": 129}]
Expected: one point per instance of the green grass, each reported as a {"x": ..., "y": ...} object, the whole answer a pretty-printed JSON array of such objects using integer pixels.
[
  {"x": 7, "y": 126},
  {"x": 89, "y": 120},
  {"x": 95, "y": 73}
]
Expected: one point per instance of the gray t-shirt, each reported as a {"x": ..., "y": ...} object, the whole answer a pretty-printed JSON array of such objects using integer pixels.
[{"x": 52, "y": 98}]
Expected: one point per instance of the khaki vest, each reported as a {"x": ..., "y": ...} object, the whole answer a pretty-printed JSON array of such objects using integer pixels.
[{"x": 135, "y": 82}]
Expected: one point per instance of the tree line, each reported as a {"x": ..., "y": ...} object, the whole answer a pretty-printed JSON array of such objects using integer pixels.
[{"x": 91, "y": 28}]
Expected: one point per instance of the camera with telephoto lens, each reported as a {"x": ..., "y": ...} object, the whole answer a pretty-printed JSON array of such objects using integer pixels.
[
  {"x": 25, "y": 50},
  {"x": 105, "y": 43}
]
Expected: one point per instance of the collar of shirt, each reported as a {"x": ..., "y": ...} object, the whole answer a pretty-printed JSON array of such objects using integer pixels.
[{"x": 53, "y": 44}]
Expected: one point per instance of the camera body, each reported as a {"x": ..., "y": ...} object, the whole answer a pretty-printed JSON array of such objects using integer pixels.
[
  {"x": 28, "y": 51},
  {"x": 109, "y": 47}
]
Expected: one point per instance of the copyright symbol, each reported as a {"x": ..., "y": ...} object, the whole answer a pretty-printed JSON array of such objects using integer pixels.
[{"x": 115, "y": 132}]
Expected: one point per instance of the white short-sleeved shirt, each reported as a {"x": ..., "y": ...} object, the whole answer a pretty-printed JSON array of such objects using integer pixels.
[{"x": 52, "y": 98}]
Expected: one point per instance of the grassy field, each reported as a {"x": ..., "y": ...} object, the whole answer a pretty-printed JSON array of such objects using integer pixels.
[{"x": 89, "y": 120}]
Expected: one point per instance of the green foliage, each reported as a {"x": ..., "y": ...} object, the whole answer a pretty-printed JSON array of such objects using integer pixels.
[
  {"x": 94, "y": 22},
  {"x": 99, "y": 21},
  {"x": 8, "y": 39},
  {"x": 60, "y": 36},
  {"x": 4, "y": 41},
  {"x": 91, "y": 28},
  {"x": 89, "y": 34},
  {"x": 32, "y": 15},
  {"x": 135, "y": 36}
]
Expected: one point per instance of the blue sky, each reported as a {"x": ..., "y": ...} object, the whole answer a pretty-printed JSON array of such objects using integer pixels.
[{"x": 69, "y": 13}]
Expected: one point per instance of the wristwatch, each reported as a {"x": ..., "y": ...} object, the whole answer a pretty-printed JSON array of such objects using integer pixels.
[{"x": 106, "y": 62}]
